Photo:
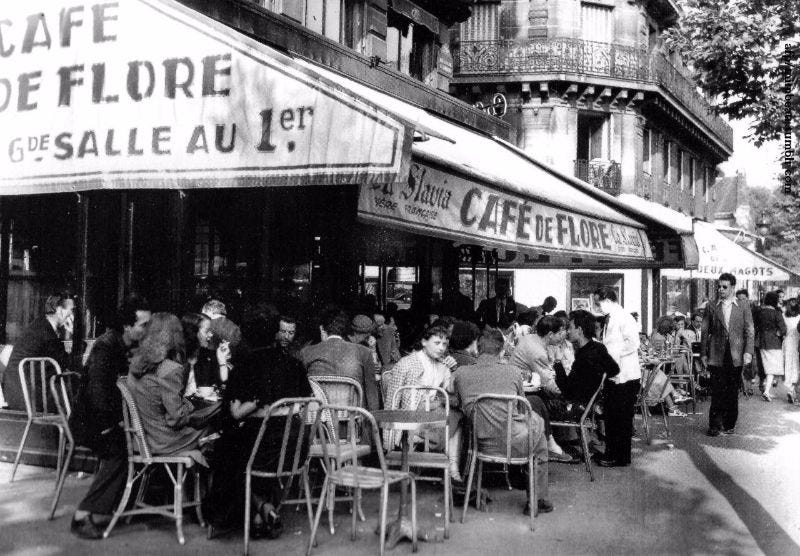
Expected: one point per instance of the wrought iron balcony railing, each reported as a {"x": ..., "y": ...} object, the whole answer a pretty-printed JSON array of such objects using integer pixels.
[
  {"x": 580, "y": 57},
  {"x": 605, "y": 175}
]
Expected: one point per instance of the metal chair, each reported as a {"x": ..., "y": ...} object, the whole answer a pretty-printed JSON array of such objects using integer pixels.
[
  {"x": 61, "y": 387},
  {"x": 479, "y": 457},
  {"x": 291, "y": 414},
  {"x": 584, "y": 424},
  {"x": 139, "y": 454},
  {"x": 34, "y": 373},
  {"x": 358, "y": 477},
  {"x": 684, "y": 354},
  {"x": 427, "y": 459},
  {"x": 333, "y": 435},
  {"x": 645, "y": 400}
]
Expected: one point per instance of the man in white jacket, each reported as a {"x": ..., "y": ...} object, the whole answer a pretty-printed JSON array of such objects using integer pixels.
[{"x": 621, "y": 338}]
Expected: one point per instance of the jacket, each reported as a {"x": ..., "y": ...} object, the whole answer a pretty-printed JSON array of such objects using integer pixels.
[
  {"x": 621, "y": 339},
  {"x": 739, "y": 333},
  {"x": 487, "y": 313},
  {"x": 771, "y": 328},
  {"x": 591, "y": 361}
]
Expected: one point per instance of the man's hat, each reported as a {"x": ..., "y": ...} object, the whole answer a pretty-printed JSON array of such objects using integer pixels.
[{"x": 361, "y": 324}]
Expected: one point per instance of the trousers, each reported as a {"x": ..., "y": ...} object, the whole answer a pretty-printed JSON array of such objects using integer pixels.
[
  {"x": 108, "y": 484},
  {"x": 725, "y": 382},
  {"x": 618, "y": 407}
]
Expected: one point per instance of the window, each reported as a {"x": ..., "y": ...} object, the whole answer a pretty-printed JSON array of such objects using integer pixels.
[
  {"x": 482, "y": 24},
  {"x": 705, "y": 184},
  {"x": 410, "y": 48},
  {"x": 321, "y": 16},
  {"x": 665, "y": 162},
  {"x": 692, "y": 163},
  {"x": 597, "y": 23},
  {"x": 592, "y": 136},
  {"x": 679, "y": 169},
  {"x": 646, "y": 147}
]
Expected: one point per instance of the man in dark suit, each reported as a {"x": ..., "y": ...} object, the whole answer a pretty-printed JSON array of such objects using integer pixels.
[
  {"x": 726, "y": 345},
  {"x": 40, "y": 339},
  {"x": 499, "y": 311},
  {"x": 96, "y": 416}
]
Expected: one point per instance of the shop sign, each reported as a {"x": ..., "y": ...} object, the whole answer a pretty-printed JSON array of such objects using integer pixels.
[
  {"x": 436, "y": 202},
  {"x": 148, "y": 93}
]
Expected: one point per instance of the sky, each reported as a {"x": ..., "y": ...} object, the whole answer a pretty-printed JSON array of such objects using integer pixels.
[{"x": 760, "y": 164}]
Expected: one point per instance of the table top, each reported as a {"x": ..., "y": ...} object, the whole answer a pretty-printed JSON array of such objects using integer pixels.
[{"x": 404, "y": 419}]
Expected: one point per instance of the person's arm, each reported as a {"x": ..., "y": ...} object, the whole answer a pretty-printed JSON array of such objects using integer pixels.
[
  {"x": 630, "y": 336},
  {"x": 705, "y": 329},
  {"x": 371, "y": 395},
  {"x": 105, "y": 401},
  {"x": 177, "y": 409},
  {"x": 749, "y": 336},
  {"x": 239, "y": 409},
  {"x": 781, "y": 324}
]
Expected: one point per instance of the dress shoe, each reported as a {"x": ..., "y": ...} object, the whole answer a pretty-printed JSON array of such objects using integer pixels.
[
  {"x": 729, "y": 431},
  {"x": 611, "y": 463},
  {"x": 86, "y": 528},
  {"x": 713, "y": 432},
  {"x": 560, "y": 458},
  {"x": 217, "y": 531},
  {"x": 543, "y": 507}
]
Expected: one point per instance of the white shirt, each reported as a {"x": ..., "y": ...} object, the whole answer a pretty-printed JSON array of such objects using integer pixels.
[
  {"x": 621, "y": 339},
  {"x": 727, "y": 307}
]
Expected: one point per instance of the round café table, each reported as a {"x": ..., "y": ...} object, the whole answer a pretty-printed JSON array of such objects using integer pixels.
[{"x": 406, "y": 421}]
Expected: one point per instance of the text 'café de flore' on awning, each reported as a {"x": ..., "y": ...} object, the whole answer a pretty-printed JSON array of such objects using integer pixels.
[{"x": 186, "y": 149}]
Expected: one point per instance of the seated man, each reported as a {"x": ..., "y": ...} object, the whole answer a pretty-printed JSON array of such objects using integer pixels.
[
  {"x": 491, "y": 376},
  {"x": 531, "y": 355}
]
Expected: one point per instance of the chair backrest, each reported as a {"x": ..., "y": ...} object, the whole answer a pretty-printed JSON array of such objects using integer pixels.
[
  {"x": 135, "y": 438},
  {"x": 506, "y": 405},
  {"x": 34, "y": 373},
  {"x": 351, "y": 418},
  {"x": 62, "y": 389},
  {"x": 593, "y": 400},
  {"x": 649, "y": 374},
  {"x": 291, "y": 415},
  {"x": 386, "y": 378},
  {"x": 424, "y": 403},
  {"x": 340, "y": 390}
]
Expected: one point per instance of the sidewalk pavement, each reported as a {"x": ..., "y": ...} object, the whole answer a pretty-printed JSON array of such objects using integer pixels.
[{"x": 732, "y": 495}]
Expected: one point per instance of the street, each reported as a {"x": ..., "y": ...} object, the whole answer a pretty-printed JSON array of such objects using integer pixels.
[{"x": 726, "y": 495}]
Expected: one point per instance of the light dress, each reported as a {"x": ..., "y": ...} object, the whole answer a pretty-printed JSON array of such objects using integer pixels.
[{"x": 791, "y": 358}]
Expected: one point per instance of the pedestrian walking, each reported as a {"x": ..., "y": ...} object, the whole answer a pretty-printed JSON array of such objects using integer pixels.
[
  {"x": 791, "y": 353},
  {"x": 727, "y": 345},
  {"x": 772, "y": 331}
]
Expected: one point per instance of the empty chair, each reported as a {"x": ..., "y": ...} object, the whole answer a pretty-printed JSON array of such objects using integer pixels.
[
  {"x": 648, "y": 399},
  {"x": 34, "y": 374},
  {"x": 61, "y": 388},
  {"x": 141, "y": 462}
]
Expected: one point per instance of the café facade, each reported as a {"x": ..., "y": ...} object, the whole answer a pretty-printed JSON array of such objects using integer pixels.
[{"x": 196, "y": 160}]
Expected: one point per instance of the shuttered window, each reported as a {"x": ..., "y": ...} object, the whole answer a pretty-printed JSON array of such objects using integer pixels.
[
  {"x": 482, "y": 25},
  {"x": 597, "y": 22}
]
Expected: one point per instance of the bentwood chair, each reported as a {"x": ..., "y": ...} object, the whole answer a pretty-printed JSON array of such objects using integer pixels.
[
  {"x": 509, "y": 405},
  {"x": 585, "y": 424},
  {"x": 332, "y": 435},
  {"x": 289, "y": 418},
  {"x": 34, "y": 374},
  {"x": 356, "y": 476},
  {"x": 142, "y": 461},
  {"x": 427, "y": 459},
  {"x": 61, "y": 388}
]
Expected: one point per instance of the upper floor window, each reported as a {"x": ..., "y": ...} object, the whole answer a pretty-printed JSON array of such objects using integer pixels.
[
  {"x": 339, "y": 20},
  {"x": 692, "y": 174},
  {"x": 597, "y": 22},
  {"x": 679, "y": 169},
  {"x": 410, "y": 48},
  {"x": 646, "y": 151},
  {"x": 666, "y": 165},
  {"x": 482, "y": 25}
]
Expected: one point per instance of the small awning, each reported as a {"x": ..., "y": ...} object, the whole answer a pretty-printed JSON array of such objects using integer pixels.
[
  {"x": 151, "y": 94},
  {"x": 478, "y": 190},
  {"x": 719, "y": 254}
]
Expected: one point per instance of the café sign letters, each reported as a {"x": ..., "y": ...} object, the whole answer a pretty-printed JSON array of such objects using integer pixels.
[
  {"x": 147, "y": 91},
  {"x": 435, "y": 201}
]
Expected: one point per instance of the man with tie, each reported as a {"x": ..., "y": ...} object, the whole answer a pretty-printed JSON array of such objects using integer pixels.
[
  {"x": 499, "y": 311},
  {"x": 726, "y": 340}
]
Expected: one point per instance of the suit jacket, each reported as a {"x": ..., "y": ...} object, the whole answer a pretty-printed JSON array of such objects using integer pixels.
[
  {"x": 487, "y": 313},
  {"x": 591, "y": 361},
  {"x": 739, "y": 333},
  {"x": 771, "y": 328},
  {"x": 38, "y": 340},
  {"x": 531, "y": 355},
  {"x": 335, "y": 357}
]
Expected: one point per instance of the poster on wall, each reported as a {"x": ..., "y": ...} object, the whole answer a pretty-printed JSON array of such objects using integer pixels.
[
  {"x": 581, "y": 304},
  {"x": 583, "y": 285}
]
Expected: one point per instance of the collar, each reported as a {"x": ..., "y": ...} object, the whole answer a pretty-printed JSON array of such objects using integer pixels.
[
  {"x": 334, "y": 337},
  {"x": 486, "y": 358},
  {"x": 733, "y": 300}
]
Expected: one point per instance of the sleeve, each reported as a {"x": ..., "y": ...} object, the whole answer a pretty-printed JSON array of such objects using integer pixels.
[
  {"x": 705, "y": 344},
  {"x": 605, "y": 363},
  {"x": 105, "y": 402},
  {"x": 781, "y": 324},
  {"x": 630, "y": 335},
  {"x": 371, "y": 396},
  {"x": 177, "y": 409},
  {"x": 749, "y": 332}
]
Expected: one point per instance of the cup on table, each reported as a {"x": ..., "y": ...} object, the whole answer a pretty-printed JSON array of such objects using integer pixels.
[{"x": 205, "y": 391}]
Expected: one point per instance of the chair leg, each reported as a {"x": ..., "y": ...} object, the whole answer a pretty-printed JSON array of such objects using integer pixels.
[
  {"x": 178, "y": 504},
  {"x": 139, "y": 502},
  {"x": 665, "y": 417},
  {"x": 123, "y": 502},
  {"x": 384, "y": 510},
  {"x": 331, "y": 504},
  {"x": 307, "y": 490},
  {"x": 586, "y": 458},
  {"x": 21, "y": 447},
  {"x": 198, "y": 498},
  {"x": 447, "y": 510},
  {"x": 414, "y": 514},
  {"x": 247, "y": 493},
  {"x": 354, "y": 511},
  {"x": 60, "y": 456},
  {"x": 505, "y": 474},
  {"x": 532, "y": 500},
  {"x": 61, "y": 477},
  {"x": 470, "y": 475},
  {"x": 478, "y": 486},
  {"x": 315, "y": 524},
  {"x": 646, "y": 423}
]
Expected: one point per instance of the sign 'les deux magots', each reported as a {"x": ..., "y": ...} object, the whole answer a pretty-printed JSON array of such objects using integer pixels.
[{"x": 148, "y": 91}]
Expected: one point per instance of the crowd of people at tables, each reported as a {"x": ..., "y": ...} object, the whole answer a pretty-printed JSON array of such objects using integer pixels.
[{"x": 202, "y": 384}]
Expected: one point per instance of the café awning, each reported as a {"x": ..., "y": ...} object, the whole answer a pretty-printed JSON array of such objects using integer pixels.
[
  {"x": 151, "y": 94},
  {"x": 478, "y": 190}
]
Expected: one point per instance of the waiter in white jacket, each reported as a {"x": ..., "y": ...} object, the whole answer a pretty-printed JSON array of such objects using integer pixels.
[{"x": 621, "y": 338}]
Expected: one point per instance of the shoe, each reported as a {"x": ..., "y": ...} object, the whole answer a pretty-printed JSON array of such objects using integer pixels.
[
  {"x": 85, "y": 528},
  {"x": 272, "y": 524},
  {"x": 559, "y": 458},
  {"x": 766, "y": 397},
  {"x": 675, "y": 412},
  {"x": 543, "y": 507},
  {"x": 217, "y": 531},
  {"x": 713, "y": 432},
  {"x": 611, "y": 463},
  {"x": 682, "y": 399},
  {"x": 729, "y": 431}
]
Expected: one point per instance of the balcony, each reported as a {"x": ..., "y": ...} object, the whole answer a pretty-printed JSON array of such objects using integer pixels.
[
  {"x": 602, "y": 174},
  {"x": 644, "y": 187},
  {"x": 580, "y": 57}
]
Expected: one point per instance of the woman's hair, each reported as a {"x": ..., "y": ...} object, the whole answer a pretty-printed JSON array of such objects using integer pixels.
[
  {"x": 771, "y": 299},
  {"x": 432, "y": 331},
  {"x": 793, "y": 307},
  {"x": 665, "y": 325},
  {"x": 191, "y": 325},
  {"x": 163, "y": 340}
]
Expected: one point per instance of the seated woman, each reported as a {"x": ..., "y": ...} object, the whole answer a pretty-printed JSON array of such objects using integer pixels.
[
  {"x": 156, "y": 380},
  {"x": 261, "y": 377},
  {"x": 424, "y": 367},
  {"x": 663, "y": 336}
]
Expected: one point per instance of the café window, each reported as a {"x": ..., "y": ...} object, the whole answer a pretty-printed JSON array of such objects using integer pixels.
[
  {"x": 583, "y": 285},
  {"x": 676, "y": 296},
  {"x": 479, "y": 285},
  {"x": 389, "y": 284}
]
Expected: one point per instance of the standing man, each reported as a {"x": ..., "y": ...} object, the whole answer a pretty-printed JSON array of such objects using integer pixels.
[
  {"x": 726, "y": 345},
  {"x": 41, "y": 339},
  {"x": 499, "y": 311},
  {"x": 97, "y": 414},
  {"x": 335, "y": 356},
  {"x": 621, "y": 338}
]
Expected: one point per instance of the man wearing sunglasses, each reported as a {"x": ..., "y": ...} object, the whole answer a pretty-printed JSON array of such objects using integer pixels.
[{"x": 726, "y": 345}]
